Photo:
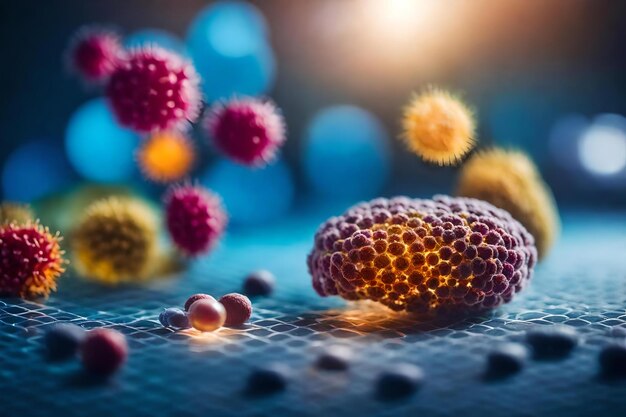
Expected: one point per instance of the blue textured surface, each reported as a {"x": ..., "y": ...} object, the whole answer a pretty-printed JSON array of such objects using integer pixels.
[{"x": 582, "y": 284}]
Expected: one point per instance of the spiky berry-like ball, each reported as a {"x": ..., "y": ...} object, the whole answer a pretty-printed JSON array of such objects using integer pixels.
[
  {"x": 94, "y": 53},
  {"x": 510, "y": 180},
  {"x": 166, "y": 157},
  {"x": 154, "y": 89},
  {"x": 438, "y": 127},
  {"x": 115, "y": 241},
  {"x": 429, "y": 257},
  {"x": 31, "y": 260},
  {"x": 15, "y": 213},
  {"x": 195, "y": 218},
  {"x": 247, "y": 130}
]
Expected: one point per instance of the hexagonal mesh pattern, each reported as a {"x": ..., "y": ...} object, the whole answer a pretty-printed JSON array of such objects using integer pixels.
[{"x": 582, "y": 284}]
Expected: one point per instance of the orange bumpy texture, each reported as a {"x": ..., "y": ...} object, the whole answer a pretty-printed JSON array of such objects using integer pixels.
[{"x": 440, "y": 256}]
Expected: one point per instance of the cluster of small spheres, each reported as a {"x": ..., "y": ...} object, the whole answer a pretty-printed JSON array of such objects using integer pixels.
[
  {"x": 206, "y": 314},
  {"x": 441, "y": 256}
]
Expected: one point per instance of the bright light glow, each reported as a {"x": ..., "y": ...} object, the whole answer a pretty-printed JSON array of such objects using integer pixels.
[
  {"x": 393, "y": 19},
  {"x": 602, "y": 150}
]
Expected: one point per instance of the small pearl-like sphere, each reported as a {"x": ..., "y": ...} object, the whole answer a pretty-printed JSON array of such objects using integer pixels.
[
  {"x": 238, "y": 309},
  {"x": 104, "y": 351},
  {"x": 259, "y": 283},
  {"x": 195, "y": 298},
  {"x": 206, "y": 315},
  {"x": 62, "y": 340}
]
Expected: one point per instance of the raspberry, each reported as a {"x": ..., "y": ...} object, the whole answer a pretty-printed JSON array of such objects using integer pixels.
[
  {"x": 154, "y": 89},
  {"x": 31, "y": 260},
  {"x": 248, "y": 130},
  {"x": 418, "y": 277},
  {"x": 94, "y": 53},
  {"x": 195, "y": 218},
  {"x": 238, "y": 309}
]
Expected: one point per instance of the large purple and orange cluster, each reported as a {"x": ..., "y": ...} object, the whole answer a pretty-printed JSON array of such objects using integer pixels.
[{"x": 429, "y": 257}]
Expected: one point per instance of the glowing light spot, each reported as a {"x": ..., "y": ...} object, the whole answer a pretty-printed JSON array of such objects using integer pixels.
[
  {"x": 166, "y": 157},
  {"x": 602, "y": 150}
]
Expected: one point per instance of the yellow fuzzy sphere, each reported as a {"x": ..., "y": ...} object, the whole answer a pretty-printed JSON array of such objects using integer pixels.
[
  {"x": 115, "y": 241},
  {"x": 438, "y": 127},
  {"x": 510, "y": 180},
  {"x": 15, "y": 213}
]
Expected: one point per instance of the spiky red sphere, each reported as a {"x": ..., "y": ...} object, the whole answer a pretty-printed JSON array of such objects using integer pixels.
[
  {"x": 446, "y": 255},
  {"x": 31, "y": 260},
  {"x": 95, "y": 53},
  {"x": 154, "y": 89},
  {"x": 247, "y": 130},
  {"x": 195, "y": 218}
]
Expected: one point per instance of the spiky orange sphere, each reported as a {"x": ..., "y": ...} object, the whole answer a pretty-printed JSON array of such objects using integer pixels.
[
  {"x": 166, "y": 157},
  {"x": 438, "y": 127},
  {"x": 510, "y": 180},
  {"x": 429, "y": 257},
  {"x": 15, "y": 213},
  {"x": 115, "y": 241},
  {"x": 31, "y": 260}
]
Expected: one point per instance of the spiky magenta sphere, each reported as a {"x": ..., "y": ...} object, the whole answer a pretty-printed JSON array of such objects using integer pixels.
[
  {"x": 94, "y": 53},
  {"x": 441, "y": 256},
  {"x": 154, "y": 89},
  {"x": 195, "y": 218},
  {"x": 247, "y": 130},
  {"x": 31, "y": 260}
]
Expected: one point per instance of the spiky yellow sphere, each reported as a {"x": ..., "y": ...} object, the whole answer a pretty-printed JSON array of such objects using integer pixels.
[
  {"x": 15, "y": 213},
  {"x": 31, "y": 260},
  {"x": 510, "y": 180},
  {"x": 438, "y": 127},
  {"x": 115, "y": 241},
  {"x": 166, "y": 157}
]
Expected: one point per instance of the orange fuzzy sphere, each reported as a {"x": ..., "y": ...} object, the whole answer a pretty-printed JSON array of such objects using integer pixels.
[
  {"x": 438, "y": 127},
  {"x": 166, "y": 157}
]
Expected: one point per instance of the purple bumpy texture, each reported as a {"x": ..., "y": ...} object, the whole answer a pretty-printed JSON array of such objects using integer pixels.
[
  {"x": 195, "y": 218},
  {"x": 249, "y": 131},
  {"x": 428, "y": 257},
  {"x": 153, "y": 89}
]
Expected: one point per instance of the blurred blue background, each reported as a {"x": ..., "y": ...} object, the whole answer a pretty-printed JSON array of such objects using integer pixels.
[{"x": 548, "y": 78}]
